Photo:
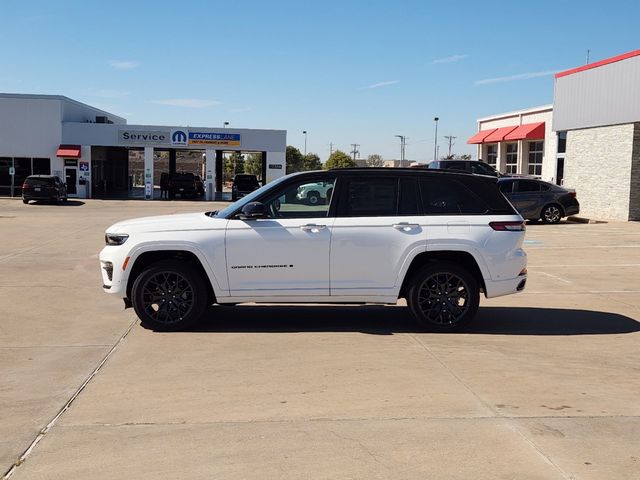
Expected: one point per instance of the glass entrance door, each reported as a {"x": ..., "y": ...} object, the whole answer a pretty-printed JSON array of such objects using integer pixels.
[{"x": 71, "y": 179}]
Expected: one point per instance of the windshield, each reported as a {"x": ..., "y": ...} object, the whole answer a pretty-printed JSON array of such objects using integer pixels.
[{"x": 249, "y": 198}]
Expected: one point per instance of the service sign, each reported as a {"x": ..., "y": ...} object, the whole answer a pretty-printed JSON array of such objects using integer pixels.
[
  {"x": 143, "y": 137},
  {"x": 214, "y": 138}
]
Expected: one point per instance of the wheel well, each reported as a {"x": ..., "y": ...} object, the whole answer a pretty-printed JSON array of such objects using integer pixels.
[
  {"x": 464, "y": 259},
  {"x": 148, "y": 258},
  {"x": 557, "y": 204}
]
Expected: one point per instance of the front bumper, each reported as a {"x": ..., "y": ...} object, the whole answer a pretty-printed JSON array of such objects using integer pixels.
[{"x": 114, "y": 278}]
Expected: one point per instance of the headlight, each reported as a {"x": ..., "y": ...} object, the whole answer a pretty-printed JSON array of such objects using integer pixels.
[{"x": 115, "y": 238}]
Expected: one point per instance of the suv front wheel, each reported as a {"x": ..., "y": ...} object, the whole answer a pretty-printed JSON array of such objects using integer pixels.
[
  {"x": 169, "y": 295},
  {"x": 443, "y": 296}
]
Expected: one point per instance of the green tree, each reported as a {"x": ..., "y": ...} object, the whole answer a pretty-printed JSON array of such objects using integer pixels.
[
  {"x": 295, "y": 160},
  {"x": 311, "y": 161},
  {"x": 339, "y": 159},
  {"x": 375, "y": 160},
  {"x": 233, "y": 165},
  {"x": 253, "y": 164}
]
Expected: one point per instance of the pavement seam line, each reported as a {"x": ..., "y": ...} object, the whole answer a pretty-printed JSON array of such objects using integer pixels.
[
  {"x": 66, "y": 407},
  {"x": 507, "y": 421}
]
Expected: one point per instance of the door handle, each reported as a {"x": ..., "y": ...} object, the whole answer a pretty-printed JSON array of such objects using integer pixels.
[
  {"x": 405, "y": 226},
  {"x": 312, "y": 227}
]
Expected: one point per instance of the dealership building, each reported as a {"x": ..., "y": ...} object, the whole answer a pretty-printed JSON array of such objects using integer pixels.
[
  {"x": 99, "y": 155},
  {"x": 588, "y": 140}
]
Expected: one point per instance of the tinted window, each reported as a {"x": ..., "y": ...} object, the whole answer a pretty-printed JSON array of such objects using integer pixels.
[
  {"x": 371, "y": 197},
  {"x": 409, "y": 201},
  {"x": 506, "y": 187},
  {"x": 482, "y": 169},
  {"x": 455, "y": 166},
  {"x": 445, "y": 196},
  {"x": 249, "y": 182},
  {"x": 527, "y": 186},
  {"x": 39, "y": 182}
]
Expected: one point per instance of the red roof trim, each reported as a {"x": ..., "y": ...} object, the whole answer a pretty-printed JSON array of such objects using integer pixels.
[
  {"x": 606, "y": 61},
  {"x": 481, "y": 135},
  {"x": 527, "y": 131},
  {"x": 68, "y": 151},
  {"x": 499, "y": 134}
]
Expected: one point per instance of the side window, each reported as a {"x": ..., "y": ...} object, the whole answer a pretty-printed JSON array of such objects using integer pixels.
[
  {"x": 303, "y": 199},
  {"x": 445, "y": 196},
  {"x": 506, "y": 187},
  {"x": 527, "y": 186},
  {"x": 371, "y": 197},
  {"x": 482, "y": 169},
  {"x": 456, "y": 166},
  {"x": 409, "y": 201}
]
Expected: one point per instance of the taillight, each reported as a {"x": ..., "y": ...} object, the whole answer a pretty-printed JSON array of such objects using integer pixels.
[
  {"x": 508, "y": 226},
  {"x": 25, "y": 186},
  {"x": 573, "y": 194}
]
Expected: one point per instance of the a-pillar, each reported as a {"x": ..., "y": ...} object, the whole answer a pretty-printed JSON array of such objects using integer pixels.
[
  {"x": 148, "y": 173},
  {"x": 210, "y": 172}
]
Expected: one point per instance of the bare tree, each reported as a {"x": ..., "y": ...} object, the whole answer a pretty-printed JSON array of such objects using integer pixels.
[{"x": 375, "y": 160}]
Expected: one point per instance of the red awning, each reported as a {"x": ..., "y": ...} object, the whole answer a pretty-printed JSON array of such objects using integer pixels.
[
  {"x": 69, "y": 151},
  {"x": 499, "y": 134},
  {"x": 481, "y": 135},
  {"x": 528, "y": 131}
]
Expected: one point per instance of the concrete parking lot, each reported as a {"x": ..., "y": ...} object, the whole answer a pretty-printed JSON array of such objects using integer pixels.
[{"x": 545, "y": 384}]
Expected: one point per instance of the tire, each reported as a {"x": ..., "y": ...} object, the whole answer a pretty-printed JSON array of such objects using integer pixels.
[
  {"x": 441, "y": 310},
  {"x": 153, "y": 287},
  {"x": 551, "y": 213},
  {"x": 313, "y": 198},
  {"x": 25, "y": 201}
]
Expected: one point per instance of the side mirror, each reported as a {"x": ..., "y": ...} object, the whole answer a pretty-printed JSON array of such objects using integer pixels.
[{"x": 253, "y": 210}]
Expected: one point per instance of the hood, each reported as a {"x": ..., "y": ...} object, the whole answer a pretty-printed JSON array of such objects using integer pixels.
[{"x": 167, "y": 223}]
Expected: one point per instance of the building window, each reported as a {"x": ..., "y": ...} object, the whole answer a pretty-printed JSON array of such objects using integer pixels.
[
  {"x": 536, "y": 150},
  {"x": 11, "y": 185},
  {"x": 492, "y": 155},
  {"x": 562, "y": 142},
  {"x": 512, "y": 159}
]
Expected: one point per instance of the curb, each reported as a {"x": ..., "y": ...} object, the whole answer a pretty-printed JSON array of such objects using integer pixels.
[{"x": 584, "y": 220}]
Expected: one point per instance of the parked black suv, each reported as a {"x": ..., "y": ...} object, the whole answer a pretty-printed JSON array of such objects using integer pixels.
[
  {"x": 471, "y": 166},
  {"x": 243, "y": 184},
  {"x": 538, "y": 200},
  {"x": 44, "y": 187},
  {"x": 184, "y": 184}
]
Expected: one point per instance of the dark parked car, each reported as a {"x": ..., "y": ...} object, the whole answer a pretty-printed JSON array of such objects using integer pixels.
[
  {"x": 471, "y": 166},
  {"x": 44, "y": 187},
  {"x": 243, "y": 184},
  {"x": 535, "y": 199},
  {"x": 184, "y": 184}
]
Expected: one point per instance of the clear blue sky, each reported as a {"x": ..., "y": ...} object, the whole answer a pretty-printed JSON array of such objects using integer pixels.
[{"x": 345, "y": 71}]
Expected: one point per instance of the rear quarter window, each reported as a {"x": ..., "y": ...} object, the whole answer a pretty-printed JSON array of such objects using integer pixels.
[{"x": 447, "y": 196}]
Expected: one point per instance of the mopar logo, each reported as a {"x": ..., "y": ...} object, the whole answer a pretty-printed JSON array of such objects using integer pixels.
[{"x": 178, "y": 137}]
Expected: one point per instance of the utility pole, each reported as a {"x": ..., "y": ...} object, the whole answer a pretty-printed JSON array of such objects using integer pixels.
[
  {"x": 330, "y": 148},
  {"x": 403, "y": 142},
  {"x": 588, "y": 54},
  {"x": 304, "y": 132},
  {"x": 355, "y": 151},
  {"x": 452, "y": 142}
]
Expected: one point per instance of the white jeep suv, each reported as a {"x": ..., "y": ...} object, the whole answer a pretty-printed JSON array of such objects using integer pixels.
[{"x": 436, "y": 238}]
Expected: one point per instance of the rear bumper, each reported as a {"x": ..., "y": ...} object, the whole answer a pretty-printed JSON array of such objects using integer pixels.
[
  {"x": 505, "y": 287},
  {"x": 572, "y": 210}
]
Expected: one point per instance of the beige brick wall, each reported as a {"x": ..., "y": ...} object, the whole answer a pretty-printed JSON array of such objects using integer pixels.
[
  {"x": 634, "y": 200},
  {"x": 598, "y": 165}
]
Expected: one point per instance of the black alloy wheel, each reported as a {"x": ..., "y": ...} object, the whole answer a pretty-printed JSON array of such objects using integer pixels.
[
  {"x": 443, "y": 296},
  {"x": 551, "y": 214},
  {"x": 169, "y": 295}
]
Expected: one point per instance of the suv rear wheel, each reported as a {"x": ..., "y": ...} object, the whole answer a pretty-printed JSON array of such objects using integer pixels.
[
  {"x": 169, "y": 295},
  {"x": 443, "y": 296}
]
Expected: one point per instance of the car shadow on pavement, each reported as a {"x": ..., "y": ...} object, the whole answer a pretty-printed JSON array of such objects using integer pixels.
[
  {"x": 68, "y": 203},
  {"x": 387, "y": 320}
]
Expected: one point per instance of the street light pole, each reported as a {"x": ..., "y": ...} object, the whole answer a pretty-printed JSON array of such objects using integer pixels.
[
  {"x": 305, "y": 142},
  {"x": 225, "y": 124},
  {"x": 435, "y": 145}
]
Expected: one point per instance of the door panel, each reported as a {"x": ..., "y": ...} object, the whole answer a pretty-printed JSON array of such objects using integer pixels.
[
  {"x": 367, "y": 253},
  {"x": 271, "y": 257},
  {"x": 71, "y": 176}
]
